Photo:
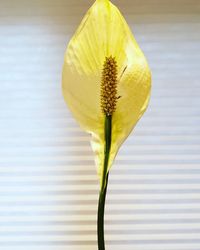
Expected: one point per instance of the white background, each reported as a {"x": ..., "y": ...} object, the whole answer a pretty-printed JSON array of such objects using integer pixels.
[{"x": 48, "y": 183}]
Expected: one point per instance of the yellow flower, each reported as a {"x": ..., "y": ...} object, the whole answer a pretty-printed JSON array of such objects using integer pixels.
[{"x": 106, "y": 81}]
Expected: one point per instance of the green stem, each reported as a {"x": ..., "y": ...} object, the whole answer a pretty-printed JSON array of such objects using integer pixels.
[{"x": 102, "y": 194}]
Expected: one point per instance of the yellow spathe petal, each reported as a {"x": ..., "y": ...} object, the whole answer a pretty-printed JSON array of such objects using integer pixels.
[{"x": 104, "y": 32}]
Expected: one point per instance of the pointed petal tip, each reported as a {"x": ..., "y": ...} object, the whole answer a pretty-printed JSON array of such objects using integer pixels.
[{"x": 103, "y": 1}]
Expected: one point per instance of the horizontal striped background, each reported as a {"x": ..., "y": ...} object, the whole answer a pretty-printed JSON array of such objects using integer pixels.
[{"x": 48, "y": 183}]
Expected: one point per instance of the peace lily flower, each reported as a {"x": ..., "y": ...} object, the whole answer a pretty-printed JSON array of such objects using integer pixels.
[{"x": 106, "y": 84}]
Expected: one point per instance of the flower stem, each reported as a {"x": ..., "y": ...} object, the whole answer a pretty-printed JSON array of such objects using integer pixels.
[
  {"x": 102, "y": 194},
  {"x": 101, "y": 207}
]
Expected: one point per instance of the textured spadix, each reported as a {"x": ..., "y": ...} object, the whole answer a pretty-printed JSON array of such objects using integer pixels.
[{"x": 104, "y": 33}]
